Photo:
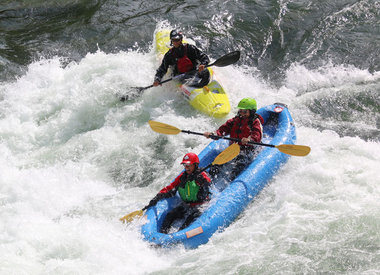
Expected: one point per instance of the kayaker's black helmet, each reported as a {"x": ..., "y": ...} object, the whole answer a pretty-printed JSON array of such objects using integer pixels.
[{"x": 174, "y": 34}]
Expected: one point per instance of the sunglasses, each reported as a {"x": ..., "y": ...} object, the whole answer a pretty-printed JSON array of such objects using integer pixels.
[
  {"x": 186, "y": 165},
  {"x": 243, "y": 111},
  {"x": 176, "y": 40}
]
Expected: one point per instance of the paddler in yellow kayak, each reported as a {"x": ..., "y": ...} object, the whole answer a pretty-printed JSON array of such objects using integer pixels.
[{"x": 184, "y": 58}]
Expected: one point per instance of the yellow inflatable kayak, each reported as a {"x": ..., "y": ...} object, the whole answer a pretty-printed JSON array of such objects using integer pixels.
[{"x": 211, "y": 99}]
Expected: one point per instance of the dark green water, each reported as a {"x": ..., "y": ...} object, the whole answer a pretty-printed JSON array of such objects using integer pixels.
[{"x": 272, "y": 34}]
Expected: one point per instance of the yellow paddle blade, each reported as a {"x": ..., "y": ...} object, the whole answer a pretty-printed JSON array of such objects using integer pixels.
[
  {"x": 227, "y": 155},
  {"x": 294, "y": 150},
  {"x": 163, "y": 128},
  {"x": 128, "y": 218}
]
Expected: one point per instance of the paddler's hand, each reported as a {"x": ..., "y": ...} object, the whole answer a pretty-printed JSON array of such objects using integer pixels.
[
  {"x": 201, "y": 67},
  {"x": 154, "y": 201},
  {"x": 207, "y": 134},
  {"x": 156, "y": 83},
  {"x": 211, "y": 135},
  {"x": 245, "y": 141}
]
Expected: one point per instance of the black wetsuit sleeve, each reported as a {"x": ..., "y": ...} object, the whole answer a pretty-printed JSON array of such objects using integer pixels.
[
  {"x": 204, "y": 188},
  {"x": 162, "y": 70},
  {"x": 196, "y": 54}
]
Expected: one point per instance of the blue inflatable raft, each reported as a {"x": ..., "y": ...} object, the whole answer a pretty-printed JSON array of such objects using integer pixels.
[{"x": 227, "y": 204}]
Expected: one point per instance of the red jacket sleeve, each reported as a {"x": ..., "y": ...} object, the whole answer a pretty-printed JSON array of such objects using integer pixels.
[
  {"x": 206, "y": 177},
  {"x": 171, "y": 186},
  {"x": 225, "y": 129}
]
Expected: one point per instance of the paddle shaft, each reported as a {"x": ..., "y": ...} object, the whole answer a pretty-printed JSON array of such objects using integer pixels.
[
  {"x": 228, "y": 138},
  {"x": 172, "y": 78},
  {"x": 205, "y": 168},
  {"x": 150, "y": 86},
  {"x": 221, "y": 62},
  {"x": 290, "y": 149},
  {"x": 140, "y": 89}
]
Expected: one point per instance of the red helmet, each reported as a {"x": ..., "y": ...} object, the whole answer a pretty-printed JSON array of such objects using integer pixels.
[{"x": 190, "y": 158}]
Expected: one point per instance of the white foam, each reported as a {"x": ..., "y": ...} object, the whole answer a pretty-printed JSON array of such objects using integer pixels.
[{"x": 66, "y": 138}]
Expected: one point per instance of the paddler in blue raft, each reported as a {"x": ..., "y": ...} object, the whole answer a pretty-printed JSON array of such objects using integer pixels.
[
  {"x": 246, "y": 126},
  {"x": 193, "y": 187},
  {"x": 183, "y": 58}
]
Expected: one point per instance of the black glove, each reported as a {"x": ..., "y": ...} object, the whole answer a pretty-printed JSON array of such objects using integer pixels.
[
  {"x": 214, "y": 170},
  {"x": 215, "y": 137},
  {"x": 155, "y": 200}
]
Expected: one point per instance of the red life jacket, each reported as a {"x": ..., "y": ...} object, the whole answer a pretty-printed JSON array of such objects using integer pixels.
[
  {"x": 184, "y": 64},
  {"x": 242, "y": 128}
]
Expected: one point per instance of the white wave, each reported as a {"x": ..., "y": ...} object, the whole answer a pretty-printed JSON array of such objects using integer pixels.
[
  {"x": 74, "y": 159},
  {"x": 303, "y": 80}
]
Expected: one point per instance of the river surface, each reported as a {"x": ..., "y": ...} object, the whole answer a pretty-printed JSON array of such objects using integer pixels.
[{"x": 74, "y": 159}]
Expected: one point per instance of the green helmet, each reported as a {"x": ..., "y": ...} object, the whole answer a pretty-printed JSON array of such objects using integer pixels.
[{"x": 247, "y": 104}]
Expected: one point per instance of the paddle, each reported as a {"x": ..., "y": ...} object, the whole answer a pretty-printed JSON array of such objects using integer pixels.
[
  {"x": 227, "y": 155},
  {"x": 223, "y": 61},
  {"x": 290, "y": 149}
]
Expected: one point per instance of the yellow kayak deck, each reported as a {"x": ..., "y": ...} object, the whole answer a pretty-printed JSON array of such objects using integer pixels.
[{"x": 211, "y": 99}]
